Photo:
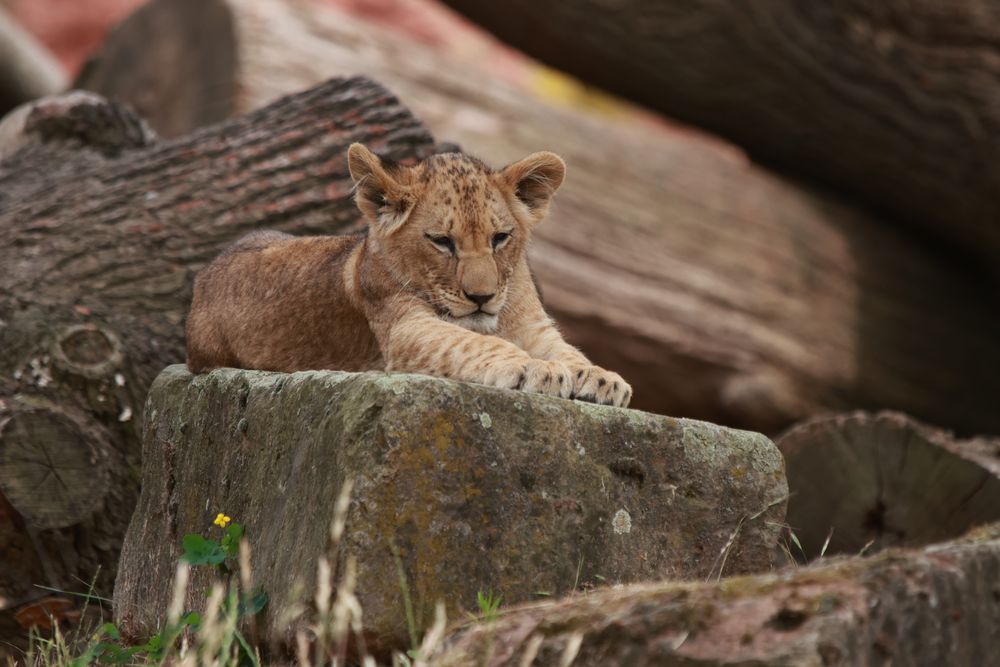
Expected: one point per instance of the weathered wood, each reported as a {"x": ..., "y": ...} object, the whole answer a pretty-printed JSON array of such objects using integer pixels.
[
  {"x": 53, "y": 472},
  {"x": 475, "y": 489},
  {"x": 921, "y": 608},
  {"x": 882, "y": 480},
  {"x": 719, "y": 291},
  {"x": 101, "y": 229},
  {"x": 885, "y": 101},
  {"x": 179, "y": 83}
]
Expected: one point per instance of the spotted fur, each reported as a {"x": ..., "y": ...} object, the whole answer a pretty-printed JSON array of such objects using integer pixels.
[{"x": 439, "y": 285}]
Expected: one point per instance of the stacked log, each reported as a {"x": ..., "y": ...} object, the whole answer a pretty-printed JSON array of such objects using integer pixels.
[
  {"x": 885, "y": 102},
  {"x": 718, "y": 290},
  {"x": 102, "y": 227},
  {"x": 862, "y": 482},
  {"x": 936, "y": 606}
]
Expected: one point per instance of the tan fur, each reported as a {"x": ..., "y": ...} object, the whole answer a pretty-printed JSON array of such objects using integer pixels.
[{"x": 401, "y": 298}]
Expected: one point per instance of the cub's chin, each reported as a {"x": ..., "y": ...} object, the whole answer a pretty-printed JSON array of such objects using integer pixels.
[{"x": 480, "y": 322}]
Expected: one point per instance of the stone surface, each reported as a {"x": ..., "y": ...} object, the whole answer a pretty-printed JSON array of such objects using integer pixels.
[{"x": 476, "y": 489}]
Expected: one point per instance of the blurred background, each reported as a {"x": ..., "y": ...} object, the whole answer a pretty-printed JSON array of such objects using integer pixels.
[{"x": 775, "y": 213}]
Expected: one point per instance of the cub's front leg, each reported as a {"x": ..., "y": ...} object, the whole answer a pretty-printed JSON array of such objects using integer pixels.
[
  {"x": 591, "y": 383},
  {"x": 423, "y": 343}
]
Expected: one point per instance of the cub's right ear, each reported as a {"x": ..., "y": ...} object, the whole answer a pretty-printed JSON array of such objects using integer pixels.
[{"x": 385, "y": 202}]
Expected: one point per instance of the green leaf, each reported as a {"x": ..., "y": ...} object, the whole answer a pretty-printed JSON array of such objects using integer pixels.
[
  {"x": 88, "y": 656},
  {"x": 231, "y": 541},
  {"x": 154, "y": 647},
  {"x": 113, "y": 654},
  {"x": 108, "y": 629},
  {"x": 488, "y": 604},
  {"x": 191, "y": 619},
  {"x": 199, "y": 551},
  {"x": 253, "y": 602}
]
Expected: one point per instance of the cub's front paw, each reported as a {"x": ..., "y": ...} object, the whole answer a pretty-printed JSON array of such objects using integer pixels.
[
  {"x": 596, "y": 385},
  {"x": 537, "y": 376},
  {"x": 547, "y": 377}
]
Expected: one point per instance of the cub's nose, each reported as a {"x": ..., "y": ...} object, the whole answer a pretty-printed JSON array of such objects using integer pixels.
[{"x": 478, "y": 299}]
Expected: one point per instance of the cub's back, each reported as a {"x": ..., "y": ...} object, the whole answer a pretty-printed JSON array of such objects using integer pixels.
[{"x": 273, "y": 301}]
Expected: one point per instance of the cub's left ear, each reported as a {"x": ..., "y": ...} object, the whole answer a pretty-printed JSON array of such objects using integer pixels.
[{"x": 534, "y": 180}]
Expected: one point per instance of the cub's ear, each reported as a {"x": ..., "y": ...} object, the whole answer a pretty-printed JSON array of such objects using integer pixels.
[
  {"x": 534, "y": 180},
  {"x": 385, "y": 202}
]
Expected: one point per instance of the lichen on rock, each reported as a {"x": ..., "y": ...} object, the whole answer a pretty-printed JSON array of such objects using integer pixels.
[{"x": 474, "y": 488}]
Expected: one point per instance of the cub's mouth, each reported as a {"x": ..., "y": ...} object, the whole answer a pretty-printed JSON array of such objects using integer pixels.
[{"x": 478, "y": 320}]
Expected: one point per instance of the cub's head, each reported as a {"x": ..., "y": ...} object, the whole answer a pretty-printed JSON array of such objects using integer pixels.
[{"x": 451, "y": 229}]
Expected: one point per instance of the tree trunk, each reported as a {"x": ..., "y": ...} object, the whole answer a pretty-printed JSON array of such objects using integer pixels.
[
  {"x": 458, "y": 488},
  {"x": 933, "y": 607},
  {"x": 888, "y": 101},
  {"x": 101, "y": 230},
  {"x": 881, "y": 480},
  {"x": 717, "y": 290}
]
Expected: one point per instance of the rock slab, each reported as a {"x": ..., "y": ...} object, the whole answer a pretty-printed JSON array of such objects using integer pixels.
[{"x": 473, "y": 488}]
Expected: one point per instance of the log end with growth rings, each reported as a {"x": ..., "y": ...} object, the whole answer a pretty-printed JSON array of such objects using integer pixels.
[{"x": 53, "y": 471}]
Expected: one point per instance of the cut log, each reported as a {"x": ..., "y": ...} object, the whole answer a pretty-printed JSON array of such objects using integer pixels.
[
  {"x": 160, "y": 84},
  {"x": 881, "y": 480},
  {"x": 475, "y": 489},
  {"x": 717, "y": 290},
  {"x": 101, "y": 229},
  {"x": 922, "y": 608},
  {"x": 883, "y": 101},
  {"x": 51, "y": 471}
]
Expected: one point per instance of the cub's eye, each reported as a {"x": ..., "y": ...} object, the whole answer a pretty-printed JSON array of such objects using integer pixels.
[
  {"x": 442, "y": 242},
  {"x": 500, "y": 238}
]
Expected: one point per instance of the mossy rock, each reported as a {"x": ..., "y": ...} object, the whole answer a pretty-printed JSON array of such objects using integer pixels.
[{"x": 475, "y": 489}]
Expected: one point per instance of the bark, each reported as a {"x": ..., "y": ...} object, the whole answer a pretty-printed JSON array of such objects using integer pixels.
[
  {"x": 27, "y": 69},
  {"x": 932, "y": 607},
  {"x": 717, "y": 290},
  {"x": 885, "y": 101},
  {"x": 475, "y": 489},
  {"x": 101, "y": 230},
  {"x": 881, "y": 480}
]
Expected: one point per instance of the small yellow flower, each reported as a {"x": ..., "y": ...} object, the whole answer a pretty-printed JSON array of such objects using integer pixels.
[{"x": 221, "y": 520}]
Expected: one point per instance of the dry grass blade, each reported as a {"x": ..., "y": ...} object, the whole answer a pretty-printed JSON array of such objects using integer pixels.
[
  {"x": 572, "y": 649},
  {"x": 343, "y": 609},
  {"x": 210, "y": 637},
  {"x": 531, "y": 650},
  {"x": 324, "y": 598},
  {"x": 826, "y": 543},
  {"x": 180, "y": 593},
  {"x": 340, "y": 510},
  {"x": 246, "y": 583},
  {"x": 728, "y": 546},
  {"x": 433, "y": 637},
  {"x": 302, "y": 648}
]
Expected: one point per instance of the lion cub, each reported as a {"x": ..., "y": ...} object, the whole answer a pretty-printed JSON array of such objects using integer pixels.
[{"x": 439, "y": 285}]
